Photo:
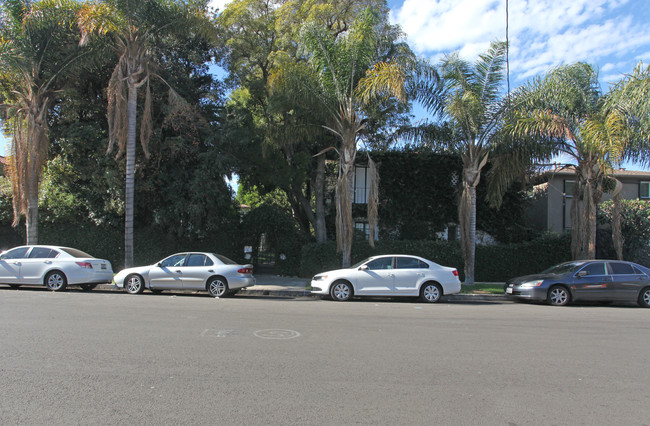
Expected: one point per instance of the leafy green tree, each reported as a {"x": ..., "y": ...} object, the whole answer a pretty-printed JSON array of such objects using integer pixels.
[
  {"x": 135, "y": 28},
  {"x": 37, "y": 49},
  {"x": 635, "y": 223}
]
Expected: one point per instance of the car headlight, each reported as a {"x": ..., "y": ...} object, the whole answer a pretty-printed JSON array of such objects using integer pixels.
[
  {"x": 531, "y": 284},
  {"x": 319, "y": 278}
]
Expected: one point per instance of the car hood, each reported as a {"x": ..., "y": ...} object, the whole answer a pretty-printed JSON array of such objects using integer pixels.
[
  {"x": 533, "y": 277},
  {"x": 142, "y": 270}
]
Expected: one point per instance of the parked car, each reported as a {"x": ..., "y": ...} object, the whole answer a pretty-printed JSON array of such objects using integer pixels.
[
  {"x": 54, "y": 267},
  {"x": 214, "y": 273},
  {"x": 592, "y": 280},
  {"x": 389, "y": 275}
]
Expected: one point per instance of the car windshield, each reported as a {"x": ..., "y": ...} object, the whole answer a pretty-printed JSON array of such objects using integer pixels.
[
  {"x": 224, "y": 259},
  {"x": 563, "y": 268},
  {"x": 356, "y": 265},
  {"x": 75, "y": 253}
]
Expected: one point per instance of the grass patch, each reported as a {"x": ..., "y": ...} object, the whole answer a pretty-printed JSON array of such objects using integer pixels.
[{"x": 482, "y": 289}]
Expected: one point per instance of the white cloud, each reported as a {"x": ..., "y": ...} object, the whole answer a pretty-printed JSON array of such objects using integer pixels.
[{"x": 542, "y": 33}]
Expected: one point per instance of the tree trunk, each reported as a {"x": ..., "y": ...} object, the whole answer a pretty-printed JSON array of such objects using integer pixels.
[
  {"x": 344, "y": 222},
  {"x": 319, "y": 194},
  {"x": 31, "y": 222},
  {"x": 617, "y": 233},
  {"x": 130, "y": 175}
]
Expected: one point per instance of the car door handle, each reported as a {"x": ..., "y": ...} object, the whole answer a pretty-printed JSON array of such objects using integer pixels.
[
  {"x": 420, "y": 274},
  {"x": 16, "y": 263},
  {"x": 49, "y": 262},
  {"x": 179, "y": 271}
]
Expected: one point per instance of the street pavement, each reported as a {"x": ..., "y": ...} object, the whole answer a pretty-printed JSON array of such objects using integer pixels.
[{"x": 106, "y": 357}]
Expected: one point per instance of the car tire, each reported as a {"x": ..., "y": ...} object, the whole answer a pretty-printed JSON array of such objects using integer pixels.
[
  {"x": 217, "y": 287},
  {"x": 341, "y": 291},
  {"x": 558, "y": 296},
  {"x": 134, "y": 284},
  {"x": 87, "y": 287},
  {"x": 644, "y": 298},
  {"x": 56, "y": 281},
  {"x": 430, "y": 292}
]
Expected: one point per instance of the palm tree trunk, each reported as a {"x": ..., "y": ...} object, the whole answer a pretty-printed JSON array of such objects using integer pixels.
[
  {"x": 617, "y": 233},
  {"x": 31, "y": 222},
  {"x": 345, "y": 225},
  {"x": 319, "y": 194},
  {"x": 130, "y": 176}
]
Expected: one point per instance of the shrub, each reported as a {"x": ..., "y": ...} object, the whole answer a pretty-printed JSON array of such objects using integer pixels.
[{"x": 494, "y": 263}]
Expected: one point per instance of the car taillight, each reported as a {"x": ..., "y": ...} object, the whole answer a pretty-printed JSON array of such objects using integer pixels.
[
  {"x": 455, "y": 272},
  {"x": 86, "y": 265},
  {"x": 245, "y": 270}
]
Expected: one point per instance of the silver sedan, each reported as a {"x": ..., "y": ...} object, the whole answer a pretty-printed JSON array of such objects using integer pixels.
[
  {"x": 55, "y": 267},
  {"x": 216, "y": 274}
]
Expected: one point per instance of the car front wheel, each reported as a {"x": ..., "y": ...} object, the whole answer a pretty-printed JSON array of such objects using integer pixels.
[
  {"x": 430, "y": 293},
  {"x": 644, "y": 298},
  {"x": 218, "y": 287},
  {"x": 558, "y": 296},
  {"x": 341, "y": 291},
  {"x": 134, "y": 284},
  {"x": 56, "y": 281}
]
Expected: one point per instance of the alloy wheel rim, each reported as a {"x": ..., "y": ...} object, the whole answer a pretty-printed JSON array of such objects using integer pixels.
[
  {"x": 341, "y": 291},
  {"x": 431, "y": 293},
  {"x": 55, "y": 281},
  {"x": 559, "y": 297},
  {"x": 646, "y": 297},
  {"x": 134, "y": 284},
  {"x": 217, "y": 288}
]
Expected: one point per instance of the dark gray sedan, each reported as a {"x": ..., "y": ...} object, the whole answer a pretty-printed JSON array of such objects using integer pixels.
[{"x": 589, "y": 280}]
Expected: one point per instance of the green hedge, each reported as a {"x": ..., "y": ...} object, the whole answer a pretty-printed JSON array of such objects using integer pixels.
[{"x": 494, "y": 263}]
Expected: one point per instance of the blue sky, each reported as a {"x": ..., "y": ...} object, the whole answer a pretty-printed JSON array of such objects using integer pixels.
[{"x": 610, "y": 34}]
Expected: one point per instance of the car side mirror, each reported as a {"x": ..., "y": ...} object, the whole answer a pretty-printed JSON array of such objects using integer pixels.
[
  {"x": 363, "y": 267},
  {"x": 159, "y": 264},
  {"x": 583, "y": 274}
]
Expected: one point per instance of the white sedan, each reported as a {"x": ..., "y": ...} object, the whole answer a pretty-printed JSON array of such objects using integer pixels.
[
  {"x": 214, "y": 273},
  {"x": 54, "y": 267},
  {"x": 389, "y": 275}
]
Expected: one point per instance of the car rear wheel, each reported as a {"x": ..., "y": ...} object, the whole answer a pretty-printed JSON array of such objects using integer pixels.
[
  {"x": 134, "y": 284},
  {"x": 644, "y": 298},
  {"x": 56, "y": 281},
  {"x": 218, "y": 287},
  {"x": 341, "y": 291},
  {"x": 430, "y": 292},
  {"x": 88, "y": 287},
  {"x": 558, "y": 296}
]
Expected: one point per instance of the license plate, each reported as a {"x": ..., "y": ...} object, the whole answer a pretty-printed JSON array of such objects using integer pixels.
[
  {"x": 103, "y": 266},
  {"x": 509, "y": 290}
]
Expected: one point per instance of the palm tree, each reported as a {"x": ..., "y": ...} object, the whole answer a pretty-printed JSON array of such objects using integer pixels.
[
  {"x": 337, "y": 71},
  {"x": 133, "y": 26},
  {"x": 36, "y": 51},
  {"x": 566, "y": 114},
  {"x": 471, "y": 107}
]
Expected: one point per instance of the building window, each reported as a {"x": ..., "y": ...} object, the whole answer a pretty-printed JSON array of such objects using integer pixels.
[
  {"x": 363, "y": 227},
  {"x": 361, "y": 185},
  {"x": 569, "y": 185},
  {"x": 644, "y": 190}
]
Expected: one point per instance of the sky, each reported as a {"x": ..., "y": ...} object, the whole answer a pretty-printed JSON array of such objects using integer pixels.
[{"x": 612, "y": 35}]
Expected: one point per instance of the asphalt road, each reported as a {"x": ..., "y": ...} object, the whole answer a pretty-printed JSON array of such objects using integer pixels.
[{"x": 112, "y": 358}]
